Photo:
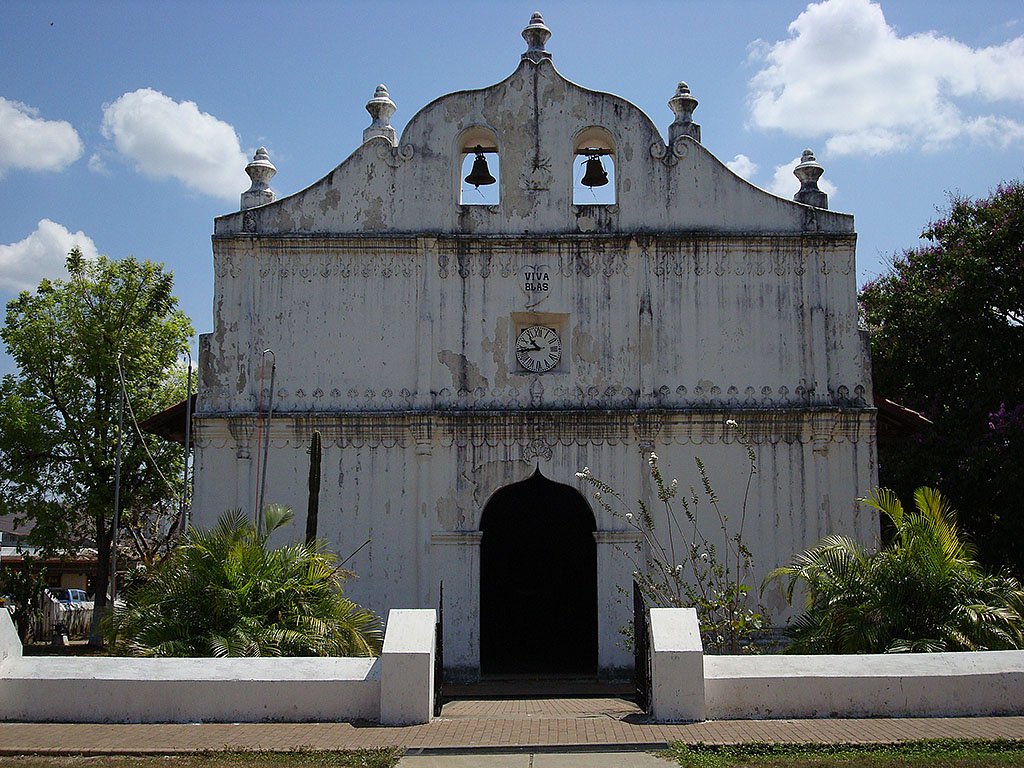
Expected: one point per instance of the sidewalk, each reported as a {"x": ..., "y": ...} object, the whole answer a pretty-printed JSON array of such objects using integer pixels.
[{"x": 542, "y": 725}]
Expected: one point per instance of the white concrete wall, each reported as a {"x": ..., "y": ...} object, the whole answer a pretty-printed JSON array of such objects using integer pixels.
[
  {"x": 407, "y": 668},
  {"x": 393, "y": 688},
  {"x": 871, "y": 685},
  {"x": 857, "y": 685},
  {"x": 677, "y": 668}
]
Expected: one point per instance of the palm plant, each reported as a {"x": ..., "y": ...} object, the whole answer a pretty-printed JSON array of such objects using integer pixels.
[
  {"x": 224, "y": 592},
  {"x": 923, "y": 591}
]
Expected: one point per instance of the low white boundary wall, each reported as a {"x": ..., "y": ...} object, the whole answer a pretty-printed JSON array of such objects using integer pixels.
[
  {"x": 118, "y": 689},
  {"x": 783, "y": 686}
]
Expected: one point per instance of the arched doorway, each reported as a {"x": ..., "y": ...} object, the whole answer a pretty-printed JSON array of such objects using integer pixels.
[{"x": 538, "y": 581}]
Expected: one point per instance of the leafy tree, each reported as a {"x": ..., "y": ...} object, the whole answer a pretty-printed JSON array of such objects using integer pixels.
[
  {"x": 947, "y": 340},
  {"x": 924, "y": 591},
  {"x": 24, "y": 587},
  {"x": 72, "y": 340},
  {"x": 223, "y": 592}
]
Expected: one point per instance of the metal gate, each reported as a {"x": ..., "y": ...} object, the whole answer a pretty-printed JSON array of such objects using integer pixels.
[
  {"x": 641, "y": 654},
  {"x": 439, "y": 655}
]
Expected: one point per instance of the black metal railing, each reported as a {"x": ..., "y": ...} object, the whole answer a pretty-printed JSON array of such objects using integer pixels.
[
  {"x": 641, "y": 651},
  {"x": 439, "y": 655}
]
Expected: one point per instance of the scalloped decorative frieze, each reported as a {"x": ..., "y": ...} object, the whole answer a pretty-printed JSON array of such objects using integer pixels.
[
  {"x": 321, "y": 263},
  {"x": 545, "y": 394},
  {"x": 534, "y": 433}
]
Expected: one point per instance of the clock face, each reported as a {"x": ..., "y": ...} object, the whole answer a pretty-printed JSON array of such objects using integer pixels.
[{"x": 538, "y": 348}]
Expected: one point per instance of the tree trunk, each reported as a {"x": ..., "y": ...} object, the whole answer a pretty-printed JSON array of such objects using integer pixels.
[{"x": 101, "y": 580}]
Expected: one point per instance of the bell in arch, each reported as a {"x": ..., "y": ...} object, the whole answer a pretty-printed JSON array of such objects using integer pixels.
[
  {"x": 480, "y": 176},
  {"x": 595, "y": 175}
]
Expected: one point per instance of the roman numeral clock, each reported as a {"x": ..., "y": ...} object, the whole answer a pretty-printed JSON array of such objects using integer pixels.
[{"x": 538, "y": 348}]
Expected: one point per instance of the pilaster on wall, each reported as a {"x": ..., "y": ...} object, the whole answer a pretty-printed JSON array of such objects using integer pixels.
[
  {"x": 677, "y": 665},
  {"x": 407, "y": 667}
]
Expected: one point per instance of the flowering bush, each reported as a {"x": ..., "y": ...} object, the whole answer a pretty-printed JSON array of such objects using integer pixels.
[{"x": 676, "y": 561}]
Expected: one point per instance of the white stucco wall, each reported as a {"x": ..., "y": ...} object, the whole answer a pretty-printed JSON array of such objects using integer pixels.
[
  {"x": 866, "y": 685},
  {"x": 392, "y": 311},
  {"x": 396, "y": 688}
]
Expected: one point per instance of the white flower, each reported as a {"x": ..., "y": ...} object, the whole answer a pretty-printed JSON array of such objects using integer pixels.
[
  {"x": 629, "y": 515},
  {"x": 580, "y": 475},
  {"x": 654, "y": 456},
  {"x": 675, "y": 484},
  {"x": 679, "y": 569},
  {"x": 731, "y": 423},
  {"x": 704, "y": 556}
]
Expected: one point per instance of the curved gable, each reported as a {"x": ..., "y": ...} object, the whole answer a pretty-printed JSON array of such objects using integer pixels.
[{"x": 535, "y": 116}]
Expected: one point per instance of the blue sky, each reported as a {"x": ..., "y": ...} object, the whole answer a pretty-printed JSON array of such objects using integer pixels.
[{"x": 124, "y": 127}]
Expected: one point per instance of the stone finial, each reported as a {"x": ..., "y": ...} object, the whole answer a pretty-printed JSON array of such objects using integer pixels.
[
  {"x": 261, "y": 171},
  {"x": 381, "y": 108},
  {"x": 808, "y": 170},
  {"x": 536, "y": 34},
  {"x": 682, "y": 104}
]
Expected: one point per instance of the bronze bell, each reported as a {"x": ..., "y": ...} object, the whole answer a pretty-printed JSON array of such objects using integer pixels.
[
  {"x": 480, "y": 175},
  {"x": 596, "y": 176}
]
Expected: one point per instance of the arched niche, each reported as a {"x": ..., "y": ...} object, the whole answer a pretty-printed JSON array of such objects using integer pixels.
[
  {"x": 482, "y": 139},
  {"x": 538, "y": 581},
  {"x": 593, "y": 141}
]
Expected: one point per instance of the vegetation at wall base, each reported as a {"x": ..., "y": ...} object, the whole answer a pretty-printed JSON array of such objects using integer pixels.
[
  {"x": 947, "y": 339},
  {"x": 225, "y": 592},
  {"x": 694, "y": 559},
  {"x": 923, "y": 591},
  {"x": 932, "y": 753}
]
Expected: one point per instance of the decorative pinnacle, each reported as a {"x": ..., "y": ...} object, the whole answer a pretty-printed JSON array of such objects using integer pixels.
[
  {"x": 682, "y": 105},
  {"x": 381, "y": 108},
  {"x": 536, "y": 34},
  {"x": 808, "y": 171},
  {"x": 260, "y": 171}
]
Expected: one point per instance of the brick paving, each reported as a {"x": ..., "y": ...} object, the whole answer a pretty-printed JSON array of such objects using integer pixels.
[{"x": 546, "y": 724}]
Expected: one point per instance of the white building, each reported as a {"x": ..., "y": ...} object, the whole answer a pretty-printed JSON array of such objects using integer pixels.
[{"x": 463, "y": 361}]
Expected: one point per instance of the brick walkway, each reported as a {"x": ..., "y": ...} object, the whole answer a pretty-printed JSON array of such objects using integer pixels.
[{"x": 553, "y": 724}]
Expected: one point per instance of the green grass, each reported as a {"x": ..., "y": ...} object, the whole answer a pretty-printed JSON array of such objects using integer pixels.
[
  {"x": 364, "y": 758},
  {"x": 942, "y": 753}
]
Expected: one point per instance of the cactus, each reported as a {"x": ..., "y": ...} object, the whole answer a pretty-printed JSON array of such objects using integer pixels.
[{"x": 313, "y": 510}]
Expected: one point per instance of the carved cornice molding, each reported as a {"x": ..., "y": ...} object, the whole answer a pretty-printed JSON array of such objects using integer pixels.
[
  {"x": 705, "y": 394},
  {"x": 536, "y": 431},
  {"x": 697, "y": 253}
]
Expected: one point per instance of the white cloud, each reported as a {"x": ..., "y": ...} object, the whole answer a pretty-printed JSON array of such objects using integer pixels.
[
  {"x": 846, "y": 75},
  {"x": 98, "y": 165},
  {"x": 41, "y": 254},
  {"x": 743, "y": 166},
  {"x": 785, "y": 184},
  {"x": 169, "y": 139},
  {"x": 31, "y": 142}
]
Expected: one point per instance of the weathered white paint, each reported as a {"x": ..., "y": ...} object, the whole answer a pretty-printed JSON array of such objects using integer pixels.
[
  {"x": 407, "y": 668},
  {"x": 677, "y": 665},
  {"x": 132, "y": 690},
  {"x": 392, "y": 310}
]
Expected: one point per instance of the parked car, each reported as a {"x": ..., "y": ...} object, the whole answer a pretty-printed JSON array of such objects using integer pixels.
[{"x": 71, "y": 597}]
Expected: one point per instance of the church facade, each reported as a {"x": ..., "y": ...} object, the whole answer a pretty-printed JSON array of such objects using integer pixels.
[{"x": 463, "y": 361}]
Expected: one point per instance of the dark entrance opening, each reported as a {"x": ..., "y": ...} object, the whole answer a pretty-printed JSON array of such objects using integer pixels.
[{"x": 538, "y": 581}]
